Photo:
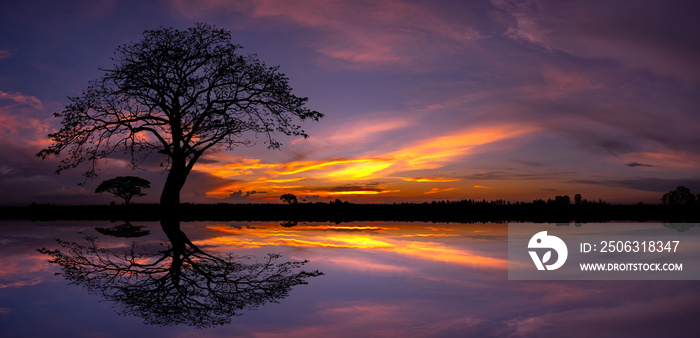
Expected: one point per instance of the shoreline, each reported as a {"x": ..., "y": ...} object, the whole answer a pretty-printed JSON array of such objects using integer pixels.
[{"x": 458, "y": 211}]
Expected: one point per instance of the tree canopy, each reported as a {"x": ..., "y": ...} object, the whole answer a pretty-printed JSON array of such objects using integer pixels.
[
  {"x": 289, "y": 198},
  {"x": 680, "y": 196},
  {"x": 125, "y": 187},
  {"x": 177, "y": 93}
]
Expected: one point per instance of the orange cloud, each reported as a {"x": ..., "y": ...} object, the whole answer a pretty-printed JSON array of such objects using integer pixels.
[
  {"x": 231, "y": 166},
  {"x": 482, "y": 187},
  {"x": 431, "y": 153},
  {"x": 285, "y": 180},
  {"x": 425, "y": 154},
  {"x": 430, "y": 179},
  {"x": 350, "y": 192},
  {"x": 437, "y": 190}
]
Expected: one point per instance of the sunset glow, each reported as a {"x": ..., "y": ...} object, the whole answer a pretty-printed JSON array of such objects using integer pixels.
[
  {"x": 432, "y": 153},
  {"x": 495, "y": 100},
  {"x": 372, "y": 168},
  {"x": 402, "y": 241}
]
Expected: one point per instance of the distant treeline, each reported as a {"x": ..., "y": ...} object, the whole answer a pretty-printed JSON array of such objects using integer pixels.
[{"x": 553, "y": 210}]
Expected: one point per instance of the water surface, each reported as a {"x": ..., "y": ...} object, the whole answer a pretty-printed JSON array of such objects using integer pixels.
[{"x": 378, "y": 279}]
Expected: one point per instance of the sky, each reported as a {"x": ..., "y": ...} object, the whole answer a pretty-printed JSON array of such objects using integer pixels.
[{"x": 423, "y": 100}]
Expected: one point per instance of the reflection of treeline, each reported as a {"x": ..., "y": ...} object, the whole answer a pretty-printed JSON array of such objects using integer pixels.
[{"x": 553, "y": 210}]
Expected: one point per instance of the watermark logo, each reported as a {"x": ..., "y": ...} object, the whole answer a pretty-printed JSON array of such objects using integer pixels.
[{"x": 543, "y": 241}]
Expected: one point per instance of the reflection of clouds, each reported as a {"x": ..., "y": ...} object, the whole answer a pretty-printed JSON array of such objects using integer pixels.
[
  {"x": 376, "y": 238},
  {"x": 22, "y": 270},
  {"x": 373, "y": 292},
  {"x": 432, "y": 235},
  {"x": 410, "y": 318},
  {"x": 367, "y": 265},
  {"x": 439, "y": 229},
  {"x": 644, "y": 317}
]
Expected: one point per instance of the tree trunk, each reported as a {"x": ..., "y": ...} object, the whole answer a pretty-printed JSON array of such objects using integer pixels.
[
  {"x": 175, "y": 181},
  {"x": 171, "y": 190}
]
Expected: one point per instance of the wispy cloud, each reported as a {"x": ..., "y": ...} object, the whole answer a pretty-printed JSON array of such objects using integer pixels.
[
  {"x": 362, "y": 33},
  {"x": 373, "y": 32},
  {"x": 303, "y": 177},
  {"x": 652, "y": 37},
  {"x": 437, "y": 190},
  {"x": 637, "y": 164},
  {"x": 645, "y": 183},
  {"x": 430, "y": 179},
  {"x": 20, "y": 98},
  {"x": 350, "y": 189},
  {"x": 20, "y": 127},
  {"x": 366, "y": 130}
]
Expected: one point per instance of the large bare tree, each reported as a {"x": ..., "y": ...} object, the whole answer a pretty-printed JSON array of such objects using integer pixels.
[{"x": 177, "y": 93}]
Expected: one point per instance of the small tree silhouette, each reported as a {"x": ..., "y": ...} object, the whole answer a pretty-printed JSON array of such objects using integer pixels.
[
  {"x": 124, "y": 187},
  {"x": 680, "y": 196},
  {"x": 289, "y": 198},
  {"x": 577, "y": 199},
  {"x": 562, "y": 200}
]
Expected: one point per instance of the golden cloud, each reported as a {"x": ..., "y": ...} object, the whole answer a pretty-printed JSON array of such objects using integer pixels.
[{"x": 429, "y": 153}]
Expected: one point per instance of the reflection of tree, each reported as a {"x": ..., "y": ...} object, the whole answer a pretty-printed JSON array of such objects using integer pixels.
[
  {"x": 680, "y": 227},
  {"x": 125, "y": 230},
  {"x": 180, "y": 285},
  {"x": 289, "y": 224}
]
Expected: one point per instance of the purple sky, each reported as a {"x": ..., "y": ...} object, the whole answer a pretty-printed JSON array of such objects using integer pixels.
[{"x": 423, "y": 100}]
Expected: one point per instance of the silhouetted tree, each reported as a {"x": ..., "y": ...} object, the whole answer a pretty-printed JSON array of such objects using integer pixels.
[
  {"x": 126, "y": 230},
  {"x": 125, "y": 187},
  {"x": 178, "y": 93},
  {"x": 180, "y": 285},
  {"x": 577, "y": 199},
  {"x": 289, "y": 198},
  {"x": 680, "y": 196},
  {"x": 562, "y": 200}
]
